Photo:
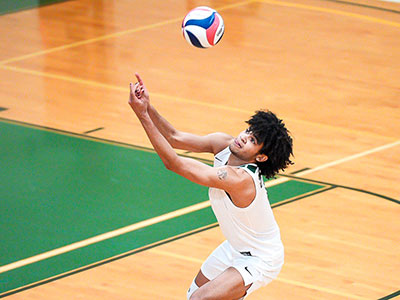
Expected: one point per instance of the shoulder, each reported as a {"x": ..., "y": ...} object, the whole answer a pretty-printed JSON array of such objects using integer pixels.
[
  {"x": 238, "y": 176},
  {"x": 242, "y": 188},
  {"x": 244, "y": 176}
]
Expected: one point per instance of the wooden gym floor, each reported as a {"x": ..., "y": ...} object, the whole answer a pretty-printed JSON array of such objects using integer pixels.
[{"x": 330, "y": 69}]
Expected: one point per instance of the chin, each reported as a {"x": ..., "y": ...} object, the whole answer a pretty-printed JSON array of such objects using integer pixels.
[
  {"x": 232, "y": 148},
  {"x": 235, "y": 151}
]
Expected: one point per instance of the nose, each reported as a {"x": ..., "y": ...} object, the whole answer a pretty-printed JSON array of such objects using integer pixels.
[{"x": 244, "y": 138}]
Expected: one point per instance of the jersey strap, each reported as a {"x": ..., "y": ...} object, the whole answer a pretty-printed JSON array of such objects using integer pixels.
[{"x": 252, "y": 167}]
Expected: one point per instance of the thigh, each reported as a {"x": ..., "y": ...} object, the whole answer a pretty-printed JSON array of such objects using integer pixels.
[
  {"x": 217, "y": 262},
  {"x": 229, "y": 285},
  {"x": 254, "y": 271}
]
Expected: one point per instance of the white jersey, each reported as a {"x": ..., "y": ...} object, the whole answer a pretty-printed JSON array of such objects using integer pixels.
[{"x": 252, "y": 230}]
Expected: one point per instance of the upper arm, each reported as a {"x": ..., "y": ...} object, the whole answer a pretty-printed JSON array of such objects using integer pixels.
[
  {"x": 225, "y": 177},
  {"x": 236, "y": 182},
  {"x": 212, "y": 143}
]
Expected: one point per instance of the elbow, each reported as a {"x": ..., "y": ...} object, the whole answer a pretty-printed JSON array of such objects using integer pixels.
[
  {"x": 169, "y": 166},
  {"x": 174, "y": 165},
  {"x": 174, "y": 139}
]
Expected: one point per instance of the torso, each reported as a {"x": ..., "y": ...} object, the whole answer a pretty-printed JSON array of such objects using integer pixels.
[{"x": 249, "y": 229}]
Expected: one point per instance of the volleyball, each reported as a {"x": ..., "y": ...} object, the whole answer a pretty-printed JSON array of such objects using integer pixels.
[{"x": 203, "y": 27}]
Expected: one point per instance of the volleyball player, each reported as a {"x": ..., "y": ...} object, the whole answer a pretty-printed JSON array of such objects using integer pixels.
[{"x": 252, "y": 254}]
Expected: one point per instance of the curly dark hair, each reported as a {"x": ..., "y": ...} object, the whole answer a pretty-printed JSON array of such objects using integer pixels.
[{"x": 276, "y": 139}]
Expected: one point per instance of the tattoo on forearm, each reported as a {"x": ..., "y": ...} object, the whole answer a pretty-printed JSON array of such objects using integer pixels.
[{"x": 222, "y": 174}]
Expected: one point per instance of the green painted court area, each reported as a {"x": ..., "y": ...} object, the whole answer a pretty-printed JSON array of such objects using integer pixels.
[
  {"x": 58, "y": 189},
  {"x": 10, "y": 6}
]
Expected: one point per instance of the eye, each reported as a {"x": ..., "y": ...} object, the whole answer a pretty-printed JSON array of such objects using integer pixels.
[{"x": 253, "y": 140}]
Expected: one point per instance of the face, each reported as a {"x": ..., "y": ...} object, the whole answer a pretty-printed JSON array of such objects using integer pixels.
[{"x": 246, "y": 147}]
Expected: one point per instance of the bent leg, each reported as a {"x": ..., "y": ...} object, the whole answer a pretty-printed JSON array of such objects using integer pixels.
[
  {"x": 229, "y": 285},
  {"x": 199, "y": 281}
]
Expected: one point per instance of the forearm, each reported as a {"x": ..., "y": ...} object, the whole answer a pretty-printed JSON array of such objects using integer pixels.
[
  {"x": 159, "y": 141},
  {"x": 179, "y": 139},
  {"x": 189, "y": 168},
  {"x": 165, "y": 128}
]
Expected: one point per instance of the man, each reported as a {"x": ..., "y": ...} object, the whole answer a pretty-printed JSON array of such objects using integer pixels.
[{"x": 252, "y": 255}]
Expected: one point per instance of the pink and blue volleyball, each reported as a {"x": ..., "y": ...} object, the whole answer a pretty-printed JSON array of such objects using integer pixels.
[{"x": 203, "y": 27}]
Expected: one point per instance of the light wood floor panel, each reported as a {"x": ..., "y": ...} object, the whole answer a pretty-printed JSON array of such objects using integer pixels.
[
  {"x": 330, "y": 69},
  {"x": 271, "y": 67}
]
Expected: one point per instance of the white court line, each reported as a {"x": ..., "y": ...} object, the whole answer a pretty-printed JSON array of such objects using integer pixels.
[
  {"x": 113, "y": 35},
  {"x": 168, "y": 216},
  {"x": 183, "y": 100},
  {"x": 103, "y": 236}
]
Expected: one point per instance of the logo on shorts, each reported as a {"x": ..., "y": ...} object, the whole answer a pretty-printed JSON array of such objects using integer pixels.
[{"x": 248, "y": 271}]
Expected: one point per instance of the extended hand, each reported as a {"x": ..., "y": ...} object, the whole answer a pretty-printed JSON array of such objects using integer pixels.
[{"x": 139, "y": 97}]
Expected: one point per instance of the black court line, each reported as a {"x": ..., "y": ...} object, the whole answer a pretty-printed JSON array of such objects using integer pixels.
[
  {"x": 343, "y": 187},
  {"x": 144, "y": 249},
  {"x": 93, "y": 130},
  {"x": 124, "y": 255},
  {"x": 106, "y": 261},
  {"x": 84, "y": 136},
  {"x": 365, "y": 6},
  {"x": 200, "y": 159},
  {"x": 333, "y": 186},
  {"x": 301, "y": 170},
  {"x": 390, "y": 296},
  {"x": 330, "y": 187},
  {"x": 75, "y": 134},
  {"x": 304, "y": 196}
]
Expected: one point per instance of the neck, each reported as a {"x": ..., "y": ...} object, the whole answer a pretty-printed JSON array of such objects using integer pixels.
[{"x": 233, "y": 160}]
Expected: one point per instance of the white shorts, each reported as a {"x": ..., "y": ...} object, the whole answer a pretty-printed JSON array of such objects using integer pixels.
[{"x": 253, "y": 269}]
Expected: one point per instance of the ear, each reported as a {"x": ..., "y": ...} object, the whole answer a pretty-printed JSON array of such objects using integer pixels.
[{"x": 261, "y": 158}]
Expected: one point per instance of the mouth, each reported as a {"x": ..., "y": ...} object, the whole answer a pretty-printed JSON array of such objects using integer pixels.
[{"x": 237, "y": 144}]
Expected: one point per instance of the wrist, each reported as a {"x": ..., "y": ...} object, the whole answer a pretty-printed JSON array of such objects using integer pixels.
[{"x": 144, "y": 117}]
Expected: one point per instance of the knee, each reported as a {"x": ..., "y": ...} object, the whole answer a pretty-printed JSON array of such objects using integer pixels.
[
  {"x": 192, "y": 289},
  {"x": 200, "y": 295},
  {"x": 196, "y": 296}
]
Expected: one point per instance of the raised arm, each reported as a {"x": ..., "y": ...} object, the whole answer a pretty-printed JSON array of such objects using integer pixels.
[
  {"x": 212, "y": 143},
  {"x": 227, "y": 178}
]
